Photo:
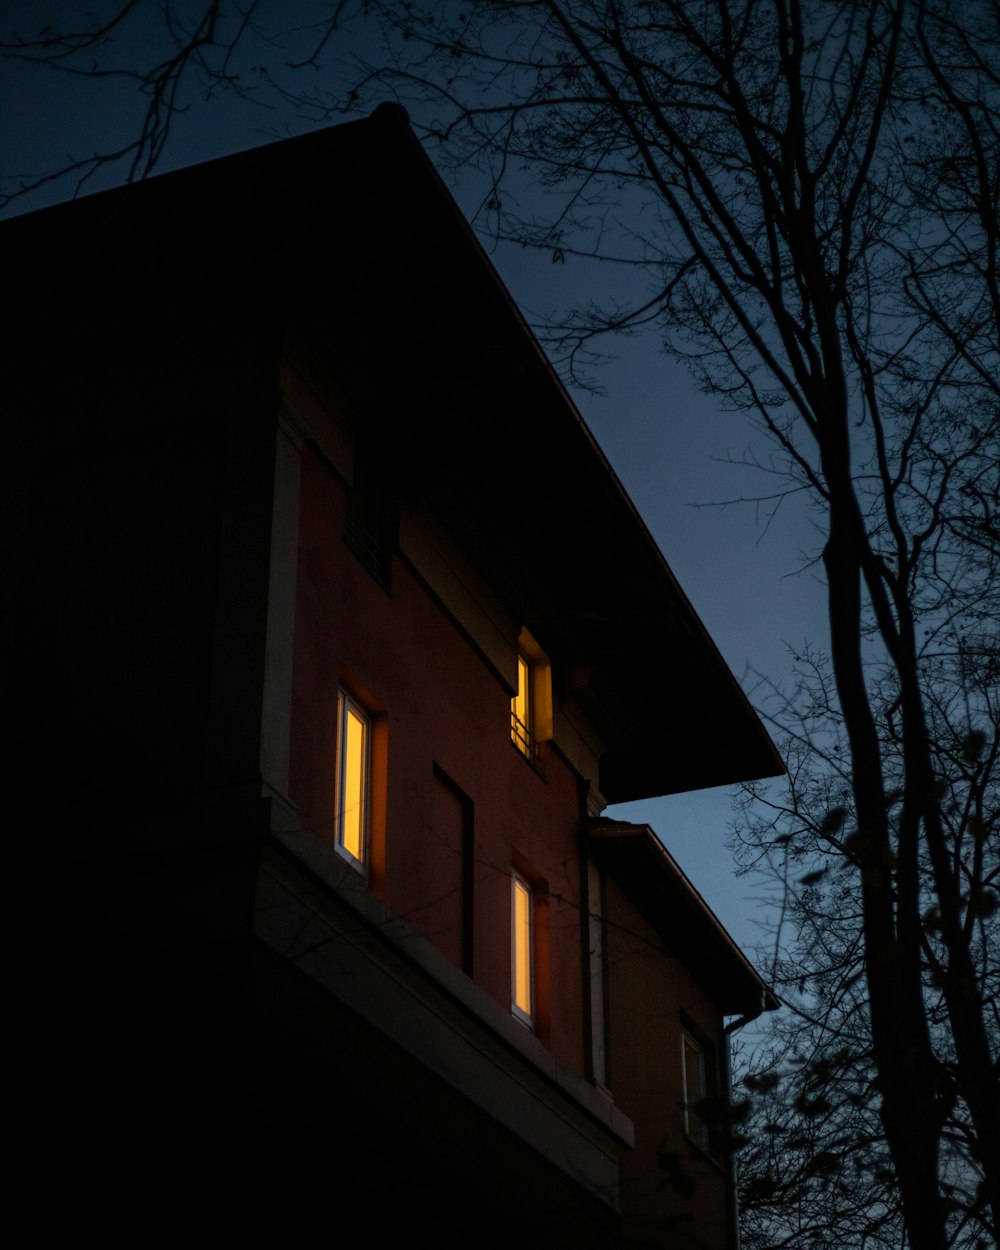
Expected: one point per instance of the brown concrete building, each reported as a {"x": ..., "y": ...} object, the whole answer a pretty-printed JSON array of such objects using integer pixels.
[{"x": 336, "y": 634}]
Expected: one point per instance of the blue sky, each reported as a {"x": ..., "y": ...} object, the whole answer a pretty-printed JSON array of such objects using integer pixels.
[{"x": 750, "y": 582}]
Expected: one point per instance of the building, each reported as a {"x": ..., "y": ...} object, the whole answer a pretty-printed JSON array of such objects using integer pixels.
[{"x": 335, "y": 634}]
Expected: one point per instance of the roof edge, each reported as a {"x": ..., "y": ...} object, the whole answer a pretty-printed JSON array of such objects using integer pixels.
[{"x": 601, "y": 829}]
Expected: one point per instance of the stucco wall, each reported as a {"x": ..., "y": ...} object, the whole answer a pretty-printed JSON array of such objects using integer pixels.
[
  {"x": 444, "y": 713},
  {"x": 670, "y": 1188}
]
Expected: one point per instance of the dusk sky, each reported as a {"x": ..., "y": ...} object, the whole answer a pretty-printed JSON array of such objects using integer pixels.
[{"x": 749, "y": 582}]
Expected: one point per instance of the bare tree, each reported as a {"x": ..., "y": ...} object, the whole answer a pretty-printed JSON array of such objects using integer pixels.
[
  {"x": 812, "y": 189},
  {"x": 814, "y": 1169},
  {"x": 815, "y": 1164},
  {"x": 820, "y": 187},
  {"x": 809, "y": 189}
]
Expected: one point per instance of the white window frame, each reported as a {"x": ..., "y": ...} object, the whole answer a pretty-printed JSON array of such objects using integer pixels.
[
  {"x": 522, "y": 951},
  {"x": 696, "y": 1127},
  {"x": 348, "y": 708}
]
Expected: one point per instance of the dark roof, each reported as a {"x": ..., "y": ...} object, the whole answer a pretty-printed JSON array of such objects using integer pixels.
[
  {"x": 634, "y": 856},
  {"x": 350, "y": 236}
]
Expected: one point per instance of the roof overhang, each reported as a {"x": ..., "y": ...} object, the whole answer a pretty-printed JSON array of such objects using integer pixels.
[
  {"x": 349, "y": 235},
  {"x": 634, "y": 857}
]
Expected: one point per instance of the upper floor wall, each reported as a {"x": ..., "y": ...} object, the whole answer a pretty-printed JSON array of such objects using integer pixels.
[{"x": 461, "y": 820}]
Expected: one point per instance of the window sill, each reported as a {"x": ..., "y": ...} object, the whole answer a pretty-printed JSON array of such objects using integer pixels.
[
  {"x": 358, "y": 865},
  {"x": 535, "y": 762}
]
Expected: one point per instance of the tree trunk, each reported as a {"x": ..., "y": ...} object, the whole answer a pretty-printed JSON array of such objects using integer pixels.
[{"x": 903, "y": 1055}]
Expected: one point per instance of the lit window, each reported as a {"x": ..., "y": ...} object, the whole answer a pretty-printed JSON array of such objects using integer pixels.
[
  {"x": 520, "y": 712},
  {"x": 695, "y": 1091},
  {"x": 531, "y": 706},
  {"x": 521, "y": 953},
  {"x": 351, "y": 810}
]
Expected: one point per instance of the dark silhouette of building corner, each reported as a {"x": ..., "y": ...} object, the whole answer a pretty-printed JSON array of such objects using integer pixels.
[{"x": 334, "y": 635}]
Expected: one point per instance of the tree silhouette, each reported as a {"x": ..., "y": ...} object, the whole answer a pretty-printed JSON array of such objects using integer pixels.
[
  {"x": 809, "y": 191},
  {"x": 816, "y": 1164},
  {"x": 812, "y": 190}
]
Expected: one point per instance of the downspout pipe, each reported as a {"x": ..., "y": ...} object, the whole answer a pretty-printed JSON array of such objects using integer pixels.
[{"x": 733, "y": 1210}]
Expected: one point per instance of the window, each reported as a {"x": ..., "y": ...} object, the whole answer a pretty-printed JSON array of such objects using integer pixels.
[
  {"x": 531, "y": 706},
  {"x": 351, "y": 798},
  {"x": 372, "y": 515},
  {"x": 520, "y": 712},
  {"x": 522, "y": 987},
  {"x": 695, "y": 1072}
]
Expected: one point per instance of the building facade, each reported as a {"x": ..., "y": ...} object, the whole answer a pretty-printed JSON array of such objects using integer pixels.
[{"x": 336, "y": 635}]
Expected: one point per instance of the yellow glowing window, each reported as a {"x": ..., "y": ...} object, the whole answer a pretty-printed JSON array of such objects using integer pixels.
[
  {"x": 351, "y": 811},
  {"x": 520, "y": 711},
  {"x": 531, "y": 706},
  {"x": 521, "y": 951}
]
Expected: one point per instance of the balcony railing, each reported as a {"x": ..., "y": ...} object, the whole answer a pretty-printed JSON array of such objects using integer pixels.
[{"x": 524, "y": 740}]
